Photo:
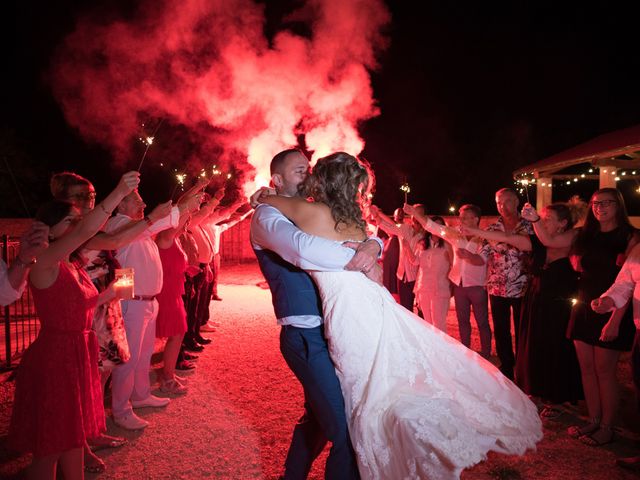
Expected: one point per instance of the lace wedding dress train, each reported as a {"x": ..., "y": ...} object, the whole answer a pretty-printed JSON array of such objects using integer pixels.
[{"x": 420, "y": 405}]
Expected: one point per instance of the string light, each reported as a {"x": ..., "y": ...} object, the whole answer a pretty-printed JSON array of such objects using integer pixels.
[{"x": 523, "y": 181}]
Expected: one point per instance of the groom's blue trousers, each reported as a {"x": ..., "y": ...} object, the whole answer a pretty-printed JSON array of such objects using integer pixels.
[{"x": 305, "y": 351}]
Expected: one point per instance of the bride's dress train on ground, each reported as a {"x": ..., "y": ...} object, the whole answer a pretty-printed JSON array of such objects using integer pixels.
[{"x": 419, "y": 403}]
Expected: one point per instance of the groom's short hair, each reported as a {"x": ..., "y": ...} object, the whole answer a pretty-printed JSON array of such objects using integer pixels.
[{"x": 279, "y": 159}]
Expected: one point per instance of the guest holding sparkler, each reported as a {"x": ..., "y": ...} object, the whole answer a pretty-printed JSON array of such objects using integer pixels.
[
  {"x": 626, "y": 288},
  {"x": 188, "y": 245},
  {"x": 410, "y": 235},
  {"x": 433, "y": 289},
  {"x": 468, "y": 273},
  {"x": 100, "y": 264},
  {"x": 58, "y": 401},
  {"x": 391, "y": 256},
  {"x": 171, "y": 322},
  {"x": 13, "y": 279},
  {"x": 130, "y": 381},
  {"x": 221, "y": 220},
  {"x": 599, "y": 251},
  {"x": 546, "y": 365},
  {"x": 507, "y": 277},
  {"x": 198, "y": 311}
]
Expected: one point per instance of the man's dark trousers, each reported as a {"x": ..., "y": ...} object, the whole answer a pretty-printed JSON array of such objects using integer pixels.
[{"x": 305, "y": 351}]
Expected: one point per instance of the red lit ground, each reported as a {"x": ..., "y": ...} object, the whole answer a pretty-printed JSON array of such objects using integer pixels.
[{"x": 236, "y": 420}]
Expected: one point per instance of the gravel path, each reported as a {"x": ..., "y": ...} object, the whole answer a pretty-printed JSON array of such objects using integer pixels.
[{"x": 236, "y": 420}]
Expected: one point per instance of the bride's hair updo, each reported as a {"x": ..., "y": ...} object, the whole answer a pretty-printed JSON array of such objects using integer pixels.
[{"x": 342, "y": 182}]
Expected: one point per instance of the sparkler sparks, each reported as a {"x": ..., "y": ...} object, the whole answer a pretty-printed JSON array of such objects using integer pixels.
[
  {"x": 148, "y": 141},
  {"x": 406, "y": 189},
  {"x": 180, "y": 178},
  {"x": 525, "y": 182}
]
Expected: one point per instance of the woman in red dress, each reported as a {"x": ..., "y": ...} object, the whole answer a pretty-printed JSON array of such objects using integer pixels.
[
  {"x": 58, "y": 400},
  {"x": 172, "y": 317}
]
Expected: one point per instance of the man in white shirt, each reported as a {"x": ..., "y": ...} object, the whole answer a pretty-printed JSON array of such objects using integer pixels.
[
  {"x": 215, "y": 227},
  {"x": 282, "y": 250},
  {"x": 130, "y": 380},
  {"x": 13, "y": 280}
]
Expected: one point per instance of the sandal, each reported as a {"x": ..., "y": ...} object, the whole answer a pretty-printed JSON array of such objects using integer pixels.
[
  {"x": 96, "y": 464},
  {"x": 600, "y": 437},
  {"x": 576, "y": 432},
  {"x": 106, "y": 441},
  {"x": 550, "y": 413}
]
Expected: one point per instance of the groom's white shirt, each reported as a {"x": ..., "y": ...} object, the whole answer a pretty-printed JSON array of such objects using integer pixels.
[{"x": 271, "y": 230}]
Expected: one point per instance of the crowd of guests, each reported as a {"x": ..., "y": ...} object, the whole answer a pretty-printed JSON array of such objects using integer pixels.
[
  {"x": 541, "y": 274},
  {"x": 93, "y": 328},
  {"x": 566, "y": 290}
]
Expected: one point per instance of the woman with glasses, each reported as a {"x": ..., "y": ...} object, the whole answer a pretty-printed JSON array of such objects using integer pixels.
[
  {"x": 598, "y": 253},
  {"x": 100, "y": 264}
]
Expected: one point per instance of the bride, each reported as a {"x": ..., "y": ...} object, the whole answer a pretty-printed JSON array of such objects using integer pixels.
[{"x": 419, "y": 403}]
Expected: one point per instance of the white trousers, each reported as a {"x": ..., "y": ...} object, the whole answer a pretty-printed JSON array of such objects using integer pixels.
[
  {"x": 434, "y": 309},
  {"x": 130, "y": 380}
]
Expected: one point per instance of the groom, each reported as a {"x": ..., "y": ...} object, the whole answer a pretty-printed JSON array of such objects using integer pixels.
[{"x": 283, "y": 250}]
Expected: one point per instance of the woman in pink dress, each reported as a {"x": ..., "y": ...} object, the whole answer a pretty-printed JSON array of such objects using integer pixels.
[{"x": 58, "y": 400}]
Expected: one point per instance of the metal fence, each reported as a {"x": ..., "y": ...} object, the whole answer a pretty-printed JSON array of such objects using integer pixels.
[{"x": 21, "y": 325}]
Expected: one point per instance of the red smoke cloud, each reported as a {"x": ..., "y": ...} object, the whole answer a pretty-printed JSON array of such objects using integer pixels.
[{"x": 205, "y": 65}]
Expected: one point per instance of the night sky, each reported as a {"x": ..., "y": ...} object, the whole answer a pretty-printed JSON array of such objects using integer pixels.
[{"x": 468, "y": 92}]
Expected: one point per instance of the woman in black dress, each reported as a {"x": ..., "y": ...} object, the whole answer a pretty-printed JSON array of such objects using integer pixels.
[
  {"x": 599, "y": 251},
  {"x": 546, "y": 363},
  {"x": 547, "y": 366}
]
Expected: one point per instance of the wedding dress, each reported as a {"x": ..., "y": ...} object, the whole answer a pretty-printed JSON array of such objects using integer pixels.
[{"x": 420, "y": 405}]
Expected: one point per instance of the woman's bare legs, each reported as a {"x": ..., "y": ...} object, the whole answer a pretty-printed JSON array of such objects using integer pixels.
[
  {"x": 598, "y": 368},
  {"x": 72, "y": 464},
  {"x": 606, "y": 362},
  {"x": 170, "y": 356},
  {"x": 586, "y": 358},
  {"x": 44, "y": 468}
]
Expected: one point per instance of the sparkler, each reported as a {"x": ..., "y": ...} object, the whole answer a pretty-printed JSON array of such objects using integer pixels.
[
  {"x": 525, "y": 182},
  {"x": 406, "y": 189},
  {"x": 148, "y": 141},
  {"x": 180, "y": 177},
  {"x": 217, "y": 172}
]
